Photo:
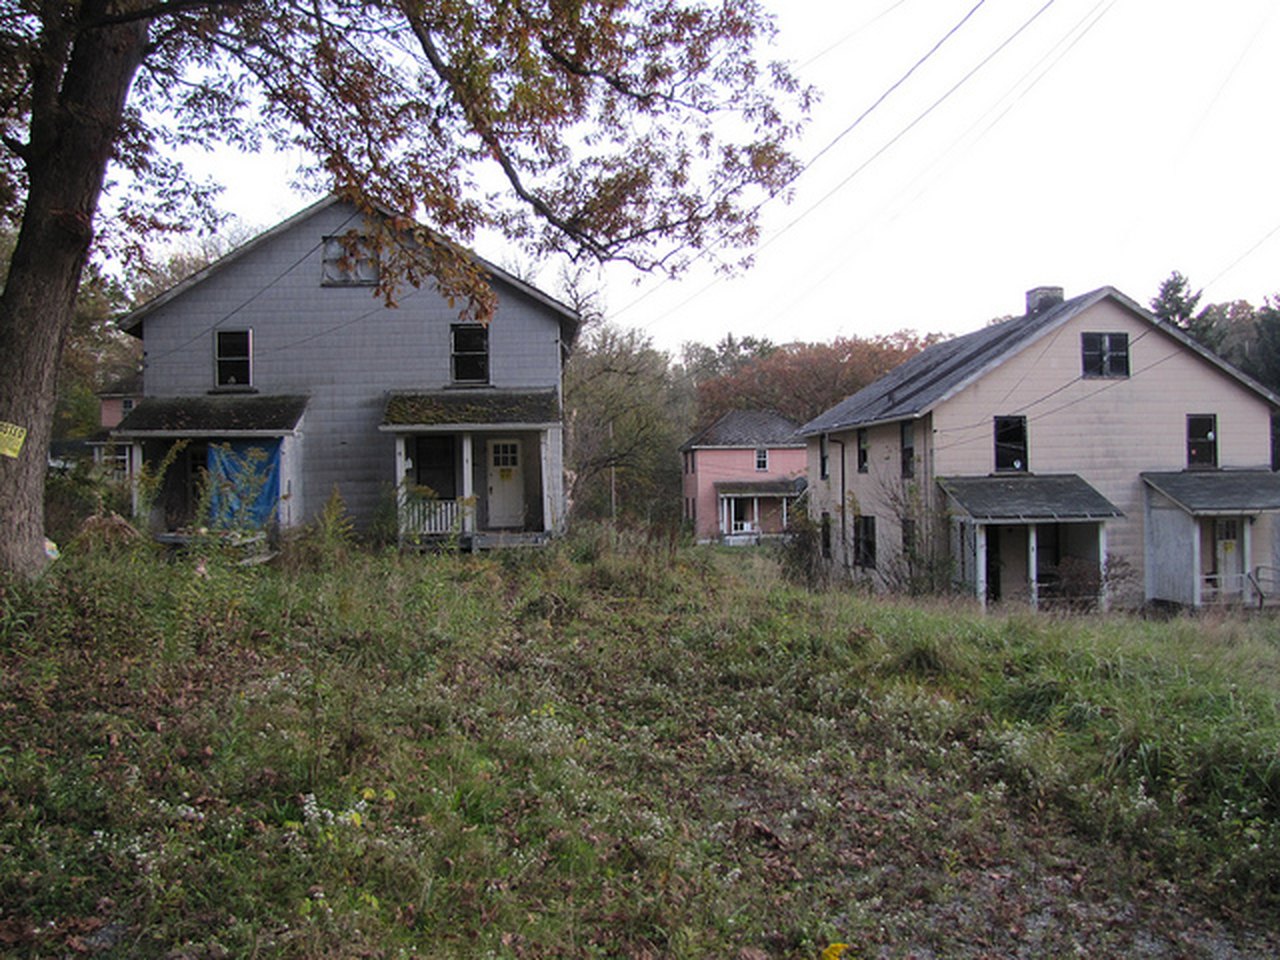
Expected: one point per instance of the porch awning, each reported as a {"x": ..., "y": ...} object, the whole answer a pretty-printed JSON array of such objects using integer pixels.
[
  {"x": 1028, "y": 498},
  {"x": 212, "y": 416},
  {"x": 415, "y": 412},
  {"x": 761, "y": 488},
  {"x": 1206, "y": 493}
]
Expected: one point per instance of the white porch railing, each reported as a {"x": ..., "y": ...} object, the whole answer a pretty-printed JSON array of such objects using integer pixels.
[{"x": 429, "y": 517}]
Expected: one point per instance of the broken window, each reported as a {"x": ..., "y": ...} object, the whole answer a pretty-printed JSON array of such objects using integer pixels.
[
  {"x": 864, "y": 450},
  {"x": 864, "y": 542},
  {"x": 1104, "y": 354},
  {"x": 233, "y": 358},
  {"x": 1202, "y": 440},
  {"x": 1011, "y": 443}
]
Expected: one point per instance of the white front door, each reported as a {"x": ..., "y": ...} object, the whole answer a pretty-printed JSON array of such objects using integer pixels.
[
  {"x": 1228, "y": 555},
  {"x": 506, "y": 484}
]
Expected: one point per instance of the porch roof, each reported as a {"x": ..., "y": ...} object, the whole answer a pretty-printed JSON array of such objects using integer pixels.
[
  {"x": 1028, "y": 498},
  {"x": 1219, "y": 492},
  {"x": 407, "y": 411},
  {"x": 761, "y": 488},
  {"x": 237, "y": 415}
]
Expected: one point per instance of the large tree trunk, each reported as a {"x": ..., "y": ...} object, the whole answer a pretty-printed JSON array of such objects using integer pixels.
[{"x": 72, "y": 135}]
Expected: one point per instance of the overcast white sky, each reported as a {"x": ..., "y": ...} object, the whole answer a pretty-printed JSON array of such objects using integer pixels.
[{"x": 1108, "y": 142}]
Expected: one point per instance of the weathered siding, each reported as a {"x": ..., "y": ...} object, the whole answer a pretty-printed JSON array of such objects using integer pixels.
[
  {"x": 718, "y": 465},
  {"x": 339, "y": 345},
  {"x": 1106, "y": 430}
]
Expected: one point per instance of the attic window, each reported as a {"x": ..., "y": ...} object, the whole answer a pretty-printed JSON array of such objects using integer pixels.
[
  {"x": 233, "y": 358},
  {"x": 1104, "y": 354},
  {"x": 349, "y": 261},
  {"x": 1011, "y": 444}
]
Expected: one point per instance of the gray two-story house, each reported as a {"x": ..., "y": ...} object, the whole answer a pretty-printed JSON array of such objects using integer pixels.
[{"x": 278, "y": 375}]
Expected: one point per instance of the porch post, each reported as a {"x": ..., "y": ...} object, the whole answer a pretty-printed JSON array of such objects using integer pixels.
[
  {"x": 725, "y": 527},
  {"x": 1104, "y": 595},
  {"x": 1246, "y": 559},
  {"x": 785, "y": 501},
  {"x": 402, "y": 479},
  {"x": 1197, "y": 571},
  {"x": 1033, "y": 550},
  {"x": 980, "y": 563},
  {"x": 755, "y": 513},
  {"x": 544, "y": 457},
  {"x": 135, "y": 475},
  {"x": 468, "y": 487}
]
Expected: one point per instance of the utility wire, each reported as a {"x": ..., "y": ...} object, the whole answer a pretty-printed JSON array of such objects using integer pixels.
[{"x": 706, "y": 251}]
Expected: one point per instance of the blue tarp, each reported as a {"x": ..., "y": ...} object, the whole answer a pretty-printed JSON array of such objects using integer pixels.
[{"x": 245, "y": 475}]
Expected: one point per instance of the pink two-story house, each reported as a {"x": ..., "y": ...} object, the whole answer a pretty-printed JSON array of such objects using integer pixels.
[{"x": 742, "y": 476}]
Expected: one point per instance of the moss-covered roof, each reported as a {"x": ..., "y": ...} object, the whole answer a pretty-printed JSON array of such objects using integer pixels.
[
  {"x": 213, "y": 415},
  {"x": 449, "y": 407}
]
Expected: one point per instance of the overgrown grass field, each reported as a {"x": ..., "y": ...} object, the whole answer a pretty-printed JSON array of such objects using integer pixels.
[{"x": 617, "y": 750}]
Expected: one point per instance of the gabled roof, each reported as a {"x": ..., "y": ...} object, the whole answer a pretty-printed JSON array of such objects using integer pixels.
[
  {"x": 213, "y": 416},
  {"x": 569, "y": 318},
  {"x": 748, "y": 428},
  {"x": 915, "y": 387},
  {"x": 412, "y": 411}
]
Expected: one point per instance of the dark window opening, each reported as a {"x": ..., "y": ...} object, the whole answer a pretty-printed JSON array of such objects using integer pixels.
[
  {"x": 1104, "y": 354},
  {"x": 864, "y": 450},
  {"x": 825, "y": 529},
  {"x": 470, "y": 353},
  {"x": 864, "y": 542},
  {"x": 1011, "y": 443},
  {"x": 233, "y": 358},
  {"x": 908, "y": 449},
  {"x": 824, "y": 457},
  {"x": 1202, "y": 440}
]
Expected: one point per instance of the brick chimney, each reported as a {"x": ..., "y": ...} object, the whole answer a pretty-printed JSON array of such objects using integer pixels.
[{"x": 1040, "y": 299}]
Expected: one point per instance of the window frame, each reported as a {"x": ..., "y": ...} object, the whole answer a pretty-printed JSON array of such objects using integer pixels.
[
  {"x": 824, "y": 535},
  {"x": 762, "y": 459},
  {"x": 468, "y": 355},
  {"x": 864, "y": 449},
  {"x": 907, "y": 435},
  {"x": 824, "y": 456},
  {"x": 349, "y": 261},
  {"x": 1103, "y": 353},
  {"x": 1007, "y": 464},
  {"x": 1195, "y": 459},
  {"x": 223, "y": 378}
]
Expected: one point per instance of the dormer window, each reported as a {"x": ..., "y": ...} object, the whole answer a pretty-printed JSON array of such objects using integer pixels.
[
  {"x": 233, "y": 358},
  {"x": 349, "y": 261},
  {"x": 470, "y": 353}
]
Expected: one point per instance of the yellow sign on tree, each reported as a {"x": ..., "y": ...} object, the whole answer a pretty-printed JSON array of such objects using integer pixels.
[{"x": 11, "y": 438}]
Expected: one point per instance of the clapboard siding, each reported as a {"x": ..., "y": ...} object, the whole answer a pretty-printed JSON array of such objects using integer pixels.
[{"x": 339, "y": 345}]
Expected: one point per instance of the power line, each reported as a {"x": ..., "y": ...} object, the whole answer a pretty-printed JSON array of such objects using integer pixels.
[{"x": 825, "y": 149}]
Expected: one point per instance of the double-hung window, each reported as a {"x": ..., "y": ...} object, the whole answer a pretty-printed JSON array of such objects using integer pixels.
[
  {"x": 1202, "y": 440},
  {"x": 1011, "y": 444},
  {"x": 864, "y": 450},
  {"x": 824, "y": 457},
  {"x": 470, "y": 353},
  {"x": 908, "y": 449},
  {"x": 233, "y": 358},
  {"x": 762, "y": 459},
  {"x": 1104, "y": 354}
]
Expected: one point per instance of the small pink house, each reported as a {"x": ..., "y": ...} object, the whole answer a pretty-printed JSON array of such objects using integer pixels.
[{"x": 742, "y": 476}]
